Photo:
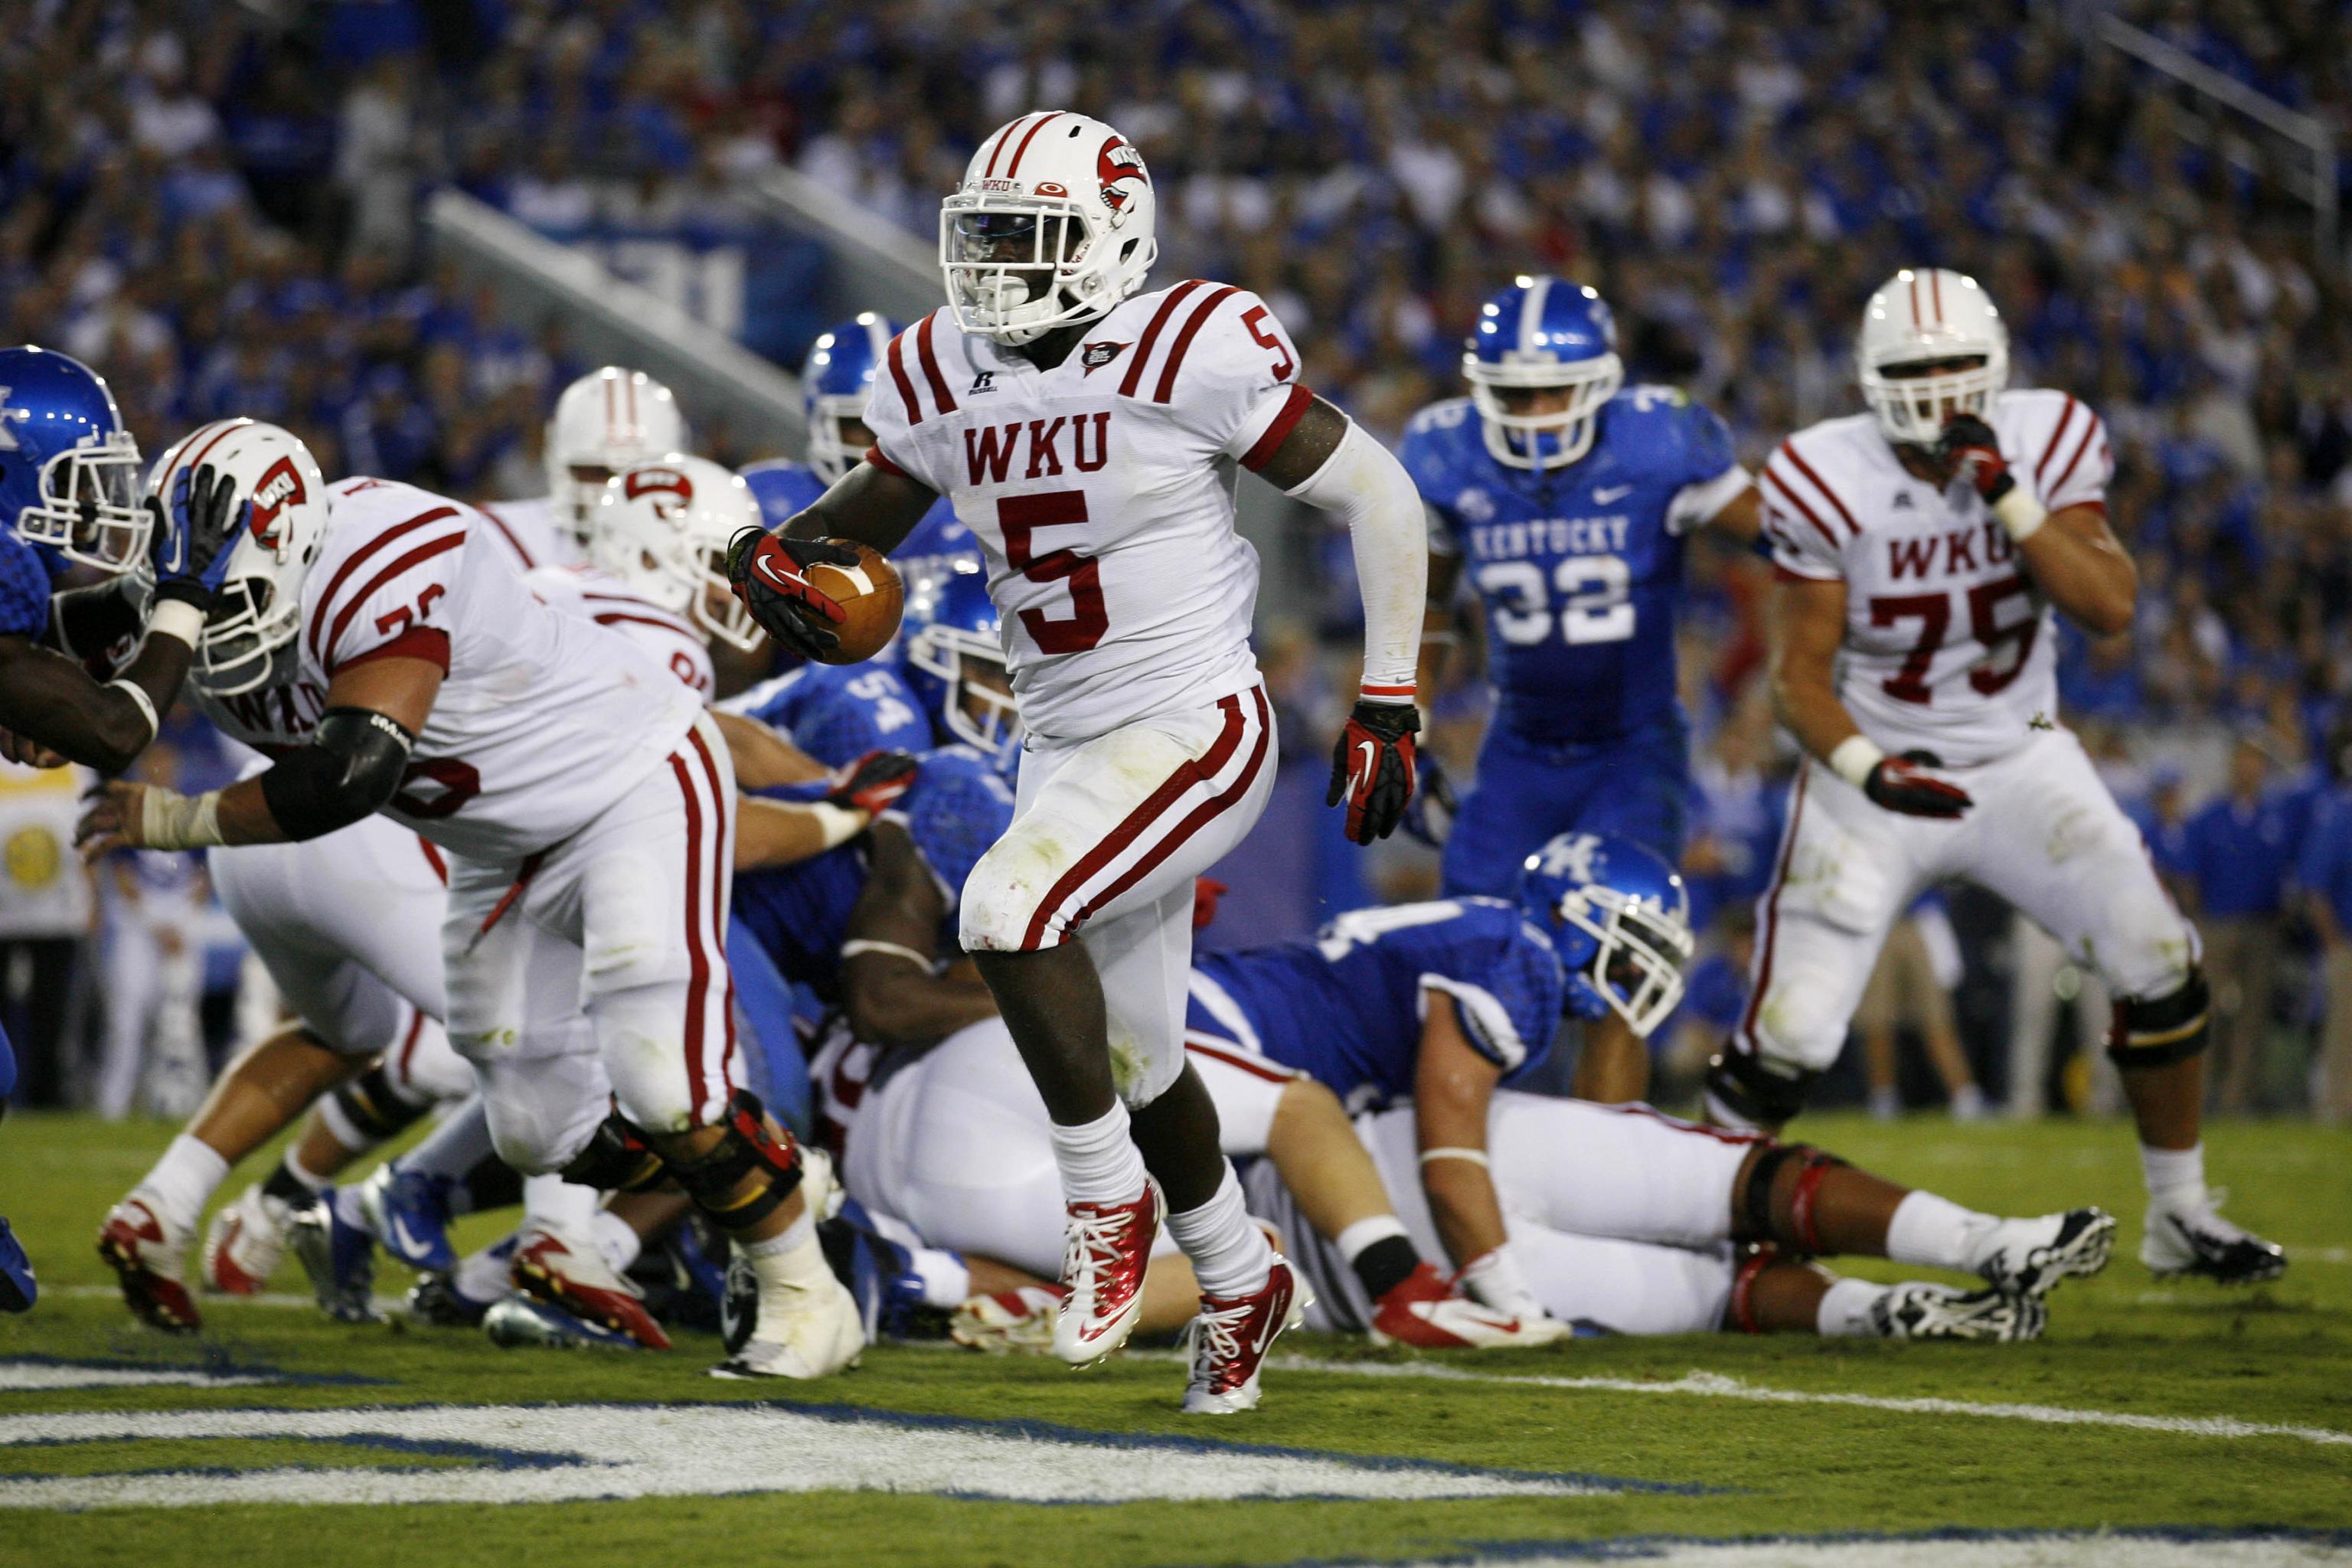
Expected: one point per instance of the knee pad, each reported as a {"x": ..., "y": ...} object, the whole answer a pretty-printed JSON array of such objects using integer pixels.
[
  {"x": 1755, "y": 1219},
  {"x": 2159, "y": 1033},
  {"x": 1743, "y": 1090},
  {"x": 747, "y": 1176},
  {"x": 617, "y": 1159},
  {"x": 372, "y": 1107}
]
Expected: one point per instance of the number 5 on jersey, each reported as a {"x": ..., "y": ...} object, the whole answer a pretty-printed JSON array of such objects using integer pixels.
[{"x": 1020, "y": 517}]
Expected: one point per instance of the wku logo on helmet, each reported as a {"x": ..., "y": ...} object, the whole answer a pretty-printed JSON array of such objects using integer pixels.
[
  {"x": 659, "y": 482},
  {"x": 279, "y": 486},
  {"x": 1116, "y": 163}
]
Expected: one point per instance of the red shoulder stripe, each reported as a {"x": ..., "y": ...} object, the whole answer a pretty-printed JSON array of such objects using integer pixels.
[
  {"x": 1152, "y": 334},
  {"x": 351, "y": 605},
  {"x": 1262, "y": 450},
  {"x": 881, "y": 459},
  {"x": 1192, "y": 326},
  {"x": 899, "y": 374},
  {"x": 931, "y": 367},
  {"x": 1807, "y": 470},
  {"x": 2090, "y": 434},
  {"x": 2041, "y": 468},
  {"x": 356, "y": 560},
  {"x": 507, "y": 534},
  {"x": 1782, "y": 485}
]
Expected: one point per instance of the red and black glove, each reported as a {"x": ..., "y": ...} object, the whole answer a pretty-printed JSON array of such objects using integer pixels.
[
  {"x": 1206, "y": 891},
  {"x": 872, "y": 784},
  {"x": 770, "y": 576},
  {"x": 1371, "y": 768},
  {"x": 1902, "y": 784},
  {"x": 1970, "y": 447}
]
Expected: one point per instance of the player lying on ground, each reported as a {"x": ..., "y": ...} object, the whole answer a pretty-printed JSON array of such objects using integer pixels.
[
  {"x": 572, "y": 784},
  {"x": 1087, "y": 434},
  {"x": 1921, "y": 550},
  {"x": 1566, "y": 500}
]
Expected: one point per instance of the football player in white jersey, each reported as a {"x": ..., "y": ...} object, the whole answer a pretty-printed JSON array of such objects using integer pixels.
[
  {"x": 587, "y": 813},
  {"x": 1088, "y": 433},
  {"x": 608, "y": 420},
  {"x": 1920, "y": 549}
]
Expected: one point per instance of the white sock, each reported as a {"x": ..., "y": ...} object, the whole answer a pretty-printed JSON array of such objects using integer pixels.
[
  {"x": 310, "y": 1179},
  {"x": 616, "y": 1240},
  {"x": 1098, "y": 1159},
  {"x": 183, "y": 1181},
  {"x": 1845, "y": 1309},
  {"x": 789, "y": 1262},
  {"x": 2176, "y": 1177},
  {"x": 1352, "y": 1241},
  {"x": 801, "y": 1233},
  {"x": 947, "y": 1278},
  {"x": 560, "y": 1208},
  {"x": 1230, "y": 1255},
  {"x": 1936, "y": 1232}
]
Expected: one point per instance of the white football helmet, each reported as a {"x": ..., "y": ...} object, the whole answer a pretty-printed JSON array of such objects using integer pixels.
[
  {"x": 1928, "y": 316},
  {"x": 283, "y": 498},
  {"x": 1051, "y": 225},
  {"x": 663, "y": 528},
  {"x": 607, "y": 421}
]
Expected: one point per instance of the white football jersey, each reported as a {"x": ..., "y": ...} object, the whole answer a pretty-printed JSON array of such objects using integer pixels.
[
  {"x": 531, "y": 532},
  {"x": 1102, "y": 492},
  {"x": 1949, "y": 646},
  {"x": 544, "y": 720},
  {"x": 594, "y": 594}
]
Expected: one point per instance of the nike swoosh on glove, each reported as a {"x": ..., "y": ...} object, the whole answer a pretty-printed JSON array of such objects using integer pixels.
[
  {"x": 1373, "y": 768},
  {"x": 770, "y": 576},
  {"x": 1970, "y": 446},
  {"x": 874, "y": 782},
  {"x": 194, "y": 534},
  {"x": 1898, "y": 784}
]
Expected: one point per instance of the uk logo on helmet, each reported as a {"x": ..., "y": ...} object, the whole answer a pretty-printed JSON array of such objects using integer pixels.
[
  {"x": 280, "y": 486},
  {"x": 1116, "y": 163}
]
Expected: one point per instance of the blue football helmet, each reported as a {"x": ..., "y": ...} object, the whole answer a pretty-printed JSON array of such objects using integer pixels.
[
  {"x": 834, "y": 382},
  {"x": 70, "y": 479},
  {"x": 1542, "y": 334},
  {"x": 1620, "y": 919},
  {"x": 954, "y": 660}
]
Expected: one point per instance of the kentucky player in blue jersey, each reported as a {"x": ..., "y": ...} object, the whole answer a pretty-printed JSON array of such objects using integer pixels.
[
  {"x": 835, "y": 379},
  {"x": 1566, "y": 498},
  {"x": 1445, "y": 1002},
  {"x": 952, "y": 653}
]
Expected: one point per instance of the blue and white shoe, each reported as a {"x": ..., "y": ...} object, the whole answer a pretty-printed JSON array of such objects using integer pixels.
[
  {"x": 19, "y": 1289},
  {"x": 460, "y": 1299},
  {"x": 409, "y": 1214},
  {"x": 880, "y": 1272},
  {"x": 339, "y": 1255}
]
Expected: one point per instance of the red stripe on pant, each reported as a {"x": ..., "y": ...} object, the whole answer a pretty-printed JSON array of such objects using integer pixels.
[
  {"x": 1273, "y": 1072},
  {"x": 1202, "y": 815},
  {"x": 698, "y": 957},
  {"x": 1155, "y": 805},
  {"x": 1720, "y": 1134},
  {"x": 722, "y": 851}
]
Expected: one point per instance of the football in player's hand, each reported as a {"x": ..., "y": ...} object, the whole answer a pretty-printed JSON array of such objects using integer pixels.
[{"x": 871, "y": 592}]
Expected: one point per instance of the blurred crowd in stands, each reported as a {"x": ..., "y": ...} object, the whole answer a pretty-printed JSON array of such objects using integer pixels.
[{"x": 216, "y": 204}]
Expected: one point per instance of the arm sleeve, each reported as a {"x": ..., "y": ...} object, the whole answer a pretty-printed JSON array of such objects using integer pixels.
[
  {"x": 1425, "y": 464},
  {"x": 388, "y": 595},
  {"x": 1800, "y": 523},
  {"x": 1367, "y": 487}
]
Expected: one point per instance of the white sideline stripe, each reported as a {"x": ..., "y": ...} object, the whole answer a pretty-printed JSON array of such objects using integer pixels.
[
  {"x": 561, "y": 1453},
  {"x": 206, "y": 1301},
  {"x": 1715, "y": 1385},
  {"x": 2038, "y": 1550},
  {"x": 39, "y": 1377}
]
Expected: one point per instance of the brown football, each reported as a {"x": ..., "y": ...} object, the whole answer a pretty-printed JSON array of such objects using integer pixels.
[{"x": 871, "y": 592}]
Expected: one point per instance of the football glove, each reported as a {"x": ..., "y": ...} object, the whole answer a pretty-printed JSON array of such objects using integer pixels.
[
  {"x": 1373, "y": 768},
  {"x": 1429, "y": 815},
  {"x": 1970, "y": 447},
  {"x": 770, "y": 575},
  {"x": 1903, "y": 785},
  {"x": 194, "y": 532},
  {"x": 872, "y": 784}
]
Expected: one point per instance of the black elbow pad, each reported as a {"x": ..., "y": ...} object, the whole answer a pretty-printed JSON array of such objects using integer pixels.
[{"x": 353, "y": 765}]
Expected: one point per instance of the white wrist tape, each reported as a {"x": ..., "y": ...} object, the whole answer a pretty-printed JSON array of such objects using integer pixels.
[
  {"x": 145, "y": 704},
  {"x": 1471, "y": 1156},
  {"x": 170, "y": 820},
  {"x": 837, "y": 824},
  {"x": 2020, "y": 513},
  {"x": 852, "y": 948},
  {"x": 176, "y": 618},
  {"x": 1854, "y": 757}
]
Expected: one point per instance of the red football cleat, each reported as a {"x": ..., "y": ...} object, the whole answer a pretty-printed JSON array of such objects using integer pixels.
[
  {"x": 579, "y": 1280},
  {"x": 1229, "y": 1342},
  {"x": 1424, "y": 1312},
  {"x": 147, "y": 1260},
  {"x": 1105, "y": 1247}
]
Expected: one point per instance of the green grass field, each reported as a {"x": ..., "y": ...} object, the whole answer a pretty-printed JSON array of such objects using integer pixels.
[{"x": 2198, "y": 1415}]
